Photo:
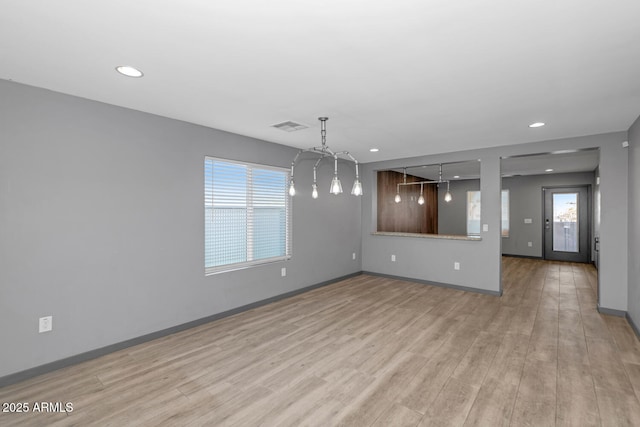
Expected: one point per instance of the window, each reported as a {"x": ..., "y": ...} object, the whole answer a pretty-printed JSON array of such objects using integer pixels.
[
  {"x": 505, "y": 213},
  {"x": 473, "y": 213},
  {"x": 247, "y": 215}
]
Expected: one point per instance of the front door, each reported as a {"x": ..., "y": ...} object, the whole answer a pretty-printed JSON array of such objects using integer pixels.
[{"x": 566, "y": 224}]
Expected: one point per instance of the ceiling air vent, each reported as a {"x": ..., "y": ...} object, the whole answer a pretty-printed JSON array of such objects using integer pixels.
[{"x": 289, "y": 126}]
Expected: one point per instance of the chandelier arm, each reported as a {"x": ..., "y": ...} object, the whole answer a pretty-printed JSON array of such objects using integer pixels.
[
  {"x": 295, "y": 160},
  {"x": 315, "y": 167},
  {"x": 353, "y": 159},
  {"x": 314, "y": 150},
  {"x": 346, "y": 155},
  {"x": 324, "y": 151},
  {"x": 319, "y": 160}
]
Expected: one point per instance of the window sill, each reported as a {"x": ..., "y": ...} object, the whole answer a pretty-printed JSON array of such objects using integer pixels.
[
  {"x": 428, "y": 236},
  {"x": 209, "y": 271}
]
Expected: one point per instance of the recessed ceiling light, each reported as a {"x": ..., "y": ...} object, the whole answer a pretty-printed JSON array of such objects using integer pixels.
[
  {"x": 548, "y": 170},
  {"x": 374, "y": 150},
  {"x": 536, "y": 125},
  {"x": 129, "y": 71}
]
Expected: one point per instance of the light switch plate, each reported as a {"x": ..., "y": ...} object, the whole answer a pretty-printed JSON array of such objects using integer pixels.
[{"x": 485, "y": 227}]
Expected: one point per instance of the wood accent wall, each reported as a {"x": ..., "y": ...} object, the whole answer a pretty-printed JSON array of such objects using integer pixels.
[{"x": 407, "y": 216}]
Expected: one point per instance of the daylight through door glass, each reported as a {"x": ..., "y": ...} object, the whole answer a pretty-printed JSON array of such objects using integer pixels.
[{"x": 565, "y": 222}]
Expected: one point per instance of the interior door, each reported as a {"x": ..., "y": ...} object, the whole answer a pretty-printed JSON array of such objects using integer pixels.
[{"x": 566, "y": 224}]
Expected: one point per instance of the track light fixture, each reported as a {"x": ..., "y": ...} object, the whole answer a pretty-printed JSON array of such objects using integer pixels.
[
  {"x": 324, "y": 151},
  {"x": 421, "y": 200}
]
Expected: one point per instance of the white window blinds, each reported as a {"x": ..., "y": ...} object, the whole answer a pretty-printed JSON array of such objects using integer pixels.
[{"x": 247, "y": 215}]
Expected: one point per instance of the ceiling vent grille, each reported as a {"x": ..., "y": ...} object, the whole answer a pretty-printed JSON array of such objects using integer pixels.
[{"x": 289, "y": 126}]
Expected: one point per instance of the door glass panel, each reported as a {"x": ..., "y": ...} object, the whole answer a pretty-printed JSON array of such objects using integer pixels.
[{"x": 565, "y": 222}]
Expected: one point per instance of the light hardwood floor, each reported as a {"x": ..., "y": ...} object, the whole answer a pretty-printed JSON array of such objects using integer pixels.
[{"x": 371, "y": 351}]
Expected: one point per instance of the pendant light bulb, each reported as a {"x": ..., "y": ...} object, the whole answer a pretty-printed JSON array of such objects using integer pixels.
[
  {"x": 421, "y": 200},
  {"x": 397, "y": 198},
  {"x": 357, "y": 188},
  {"x": 292, "y": 189},
  {"x": 314, "y": 193},
  {"x": 447, "y": 195},
  {"x": 336, "y": 185}
]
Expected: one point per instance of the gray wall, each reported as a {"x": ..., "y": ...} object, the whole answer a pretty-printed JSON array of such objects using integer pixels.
[
  {"x": 452, "y": 216},
  {"x": 525, "y": 194},
  {"x": 634, "y": 223},
  {"x": 432, "y": 259},
  {"x": 102, "y": 226}
]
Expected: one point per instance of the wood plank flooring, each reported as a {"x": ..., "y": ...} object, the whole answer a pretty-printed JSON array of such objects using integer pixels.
[{"x": 372, "y": 351}]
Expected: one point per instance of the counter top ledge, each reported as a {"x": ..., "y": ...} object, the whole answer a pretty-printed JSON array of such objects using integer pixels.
[{"x": 428, "y": 236}]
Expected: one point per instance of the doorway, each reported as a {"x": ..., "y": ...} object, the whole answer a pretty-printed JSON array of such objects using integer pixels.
[{"x": 566, "y": 224}]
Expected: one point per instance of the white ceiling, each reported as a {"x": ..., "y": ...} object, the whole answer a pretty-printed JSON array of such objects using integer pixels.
[{"x": 409, "y": 77}]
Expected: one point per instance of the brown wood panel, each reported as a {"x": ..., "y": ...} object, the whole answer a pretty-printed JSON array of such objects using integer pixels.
[{"x": 407, "y": 216}]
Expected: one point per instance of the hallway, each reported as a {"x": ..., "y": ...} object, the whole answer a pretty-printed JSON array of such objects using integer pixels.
[{"x": 580, "y": 364}]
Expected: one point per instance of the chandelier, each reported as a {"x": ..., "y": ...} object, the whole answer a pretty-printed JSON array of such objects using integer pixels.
[{"x": 324, "y": 151}]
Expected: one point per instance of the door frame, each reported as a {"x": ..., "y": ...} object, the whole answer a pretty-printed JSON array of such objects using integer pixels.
[{"x": 589, "y": 226}]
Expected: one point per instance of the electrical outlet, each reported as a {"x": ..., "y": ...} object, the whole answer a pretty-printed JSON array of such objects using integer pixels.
[
  {"x": 485, "y": 227},
  {"x": 45, "y": 324},
  {"x": 283, "y": 271},
  {"x": 530, "y": 244},
  {"x": 393, "y": 258},
  {"x": 456, "y": 265},
  {"x": 353, "y": 256}
]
